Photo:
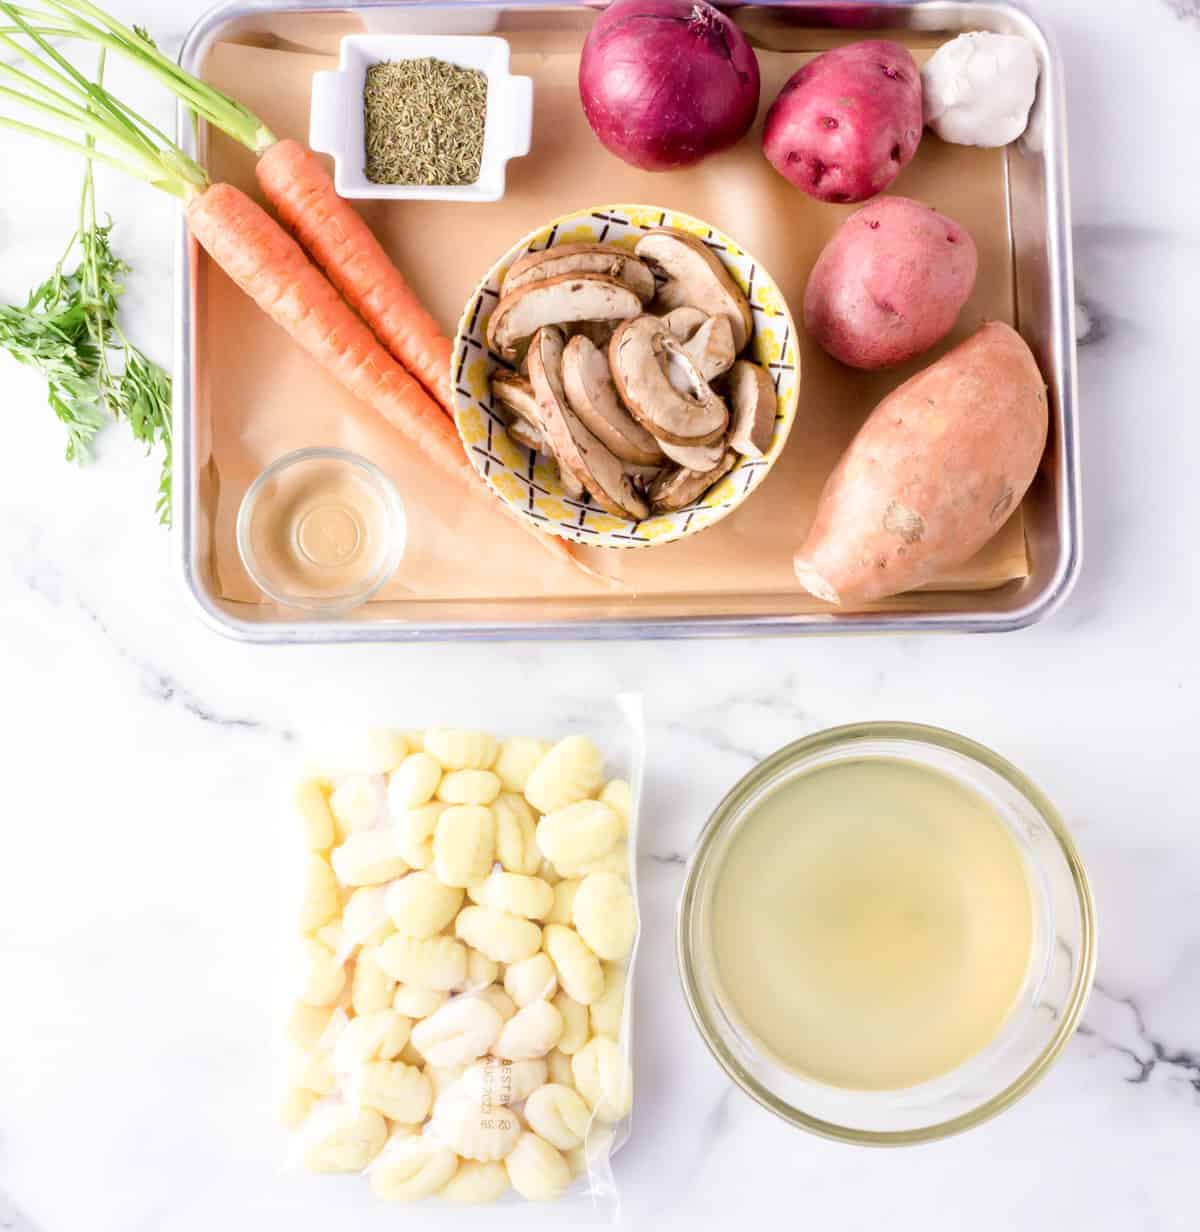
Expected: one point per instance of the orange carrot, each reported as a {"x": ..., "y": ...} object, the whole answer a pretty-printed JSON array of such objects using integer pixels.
[
  {"x": 251, "y": 247},
  {"x": 338, "y": 240}
]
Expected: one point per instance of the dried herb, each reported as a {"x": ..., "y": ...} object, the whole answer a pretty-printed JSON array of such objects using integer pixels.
[{"x": 424, "y": 122}]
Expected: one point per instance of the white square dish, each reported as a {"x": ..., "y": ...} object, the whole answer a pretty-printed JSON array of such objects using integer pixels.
[{"x": 336, "y": 121}]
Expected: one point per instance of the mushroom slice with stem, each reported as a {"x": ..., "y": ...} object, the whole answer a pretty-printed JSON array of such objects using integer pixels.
[
  {"x": 675, "y": 490},
  {"x": 711, "y": 348},
  {"x": 753, "y": 399},
  {"x": 593, "y": 397},
  {"x": 640, "y": 356},
  {"x": 695, "y": 278},
  {"x": 708, "y": 340},
  {"x": 605, "y": 259},
  {"x": 516, "y": 395},
  {"x": 577, "y": 451},
  {"x": 557, "y": 301},
  {"x": 683, "y": 322}
]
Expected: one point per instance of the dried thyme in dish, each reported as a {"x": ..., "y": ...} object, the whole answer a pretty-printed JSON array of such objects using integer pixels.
[{"x": 424, "y": 122}]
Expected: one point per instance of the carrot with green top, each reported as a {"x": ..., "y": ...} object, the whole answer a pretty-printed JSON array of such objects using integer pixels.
[
  {"x": 303, "y": 194},
  {"x": 239, "y": 235}
]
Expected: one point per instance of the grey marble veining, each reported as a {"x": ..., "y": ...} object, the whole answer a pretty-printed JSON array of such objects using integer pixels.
[{"x": 145, "y": 757}]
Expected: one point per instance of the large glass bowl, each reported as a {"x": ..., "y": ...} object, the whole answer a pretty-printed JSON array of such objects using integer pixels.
[{"x": 1047, "y": 1011}]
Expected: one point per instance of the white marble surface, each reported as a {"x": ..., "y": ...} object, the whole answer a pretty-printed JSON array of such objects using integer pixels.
[{"x": 142, "y": 753}]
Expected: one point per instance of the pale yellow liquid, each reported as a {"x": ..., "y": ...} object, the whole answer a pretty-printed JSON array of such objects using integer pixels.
[
  {"x": 319, "y": 529},
  {"x": 872, "y": 924}
]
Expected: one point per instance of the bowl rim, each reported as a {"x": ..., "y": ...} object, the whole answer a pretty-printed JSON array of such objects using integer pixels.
[
  {"x": 470, "y": 313},
  {"x": 916, "y": 734}
]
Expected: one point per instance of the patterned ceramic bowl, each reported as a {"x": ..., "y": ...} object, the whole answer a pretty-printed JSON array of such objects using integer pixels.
[{"x": 529, "y": 483}]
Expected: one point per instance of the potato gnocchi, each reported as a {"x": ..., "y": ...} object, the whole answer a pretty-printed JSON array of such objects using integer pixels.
[
  {"x": 572, "y": 770},
  {"x": 516, "y": 835},
  {"x": 515, "y": 893},
  {"x": 431, "y": 962},
  {"x": 531, "y": 979},
  {"x": 466, "y": 922},
  {"x": 517, "y": 760},
  {"x": 502, "y": 937},
  {"x": 368, "y": 858},
  {"x": 364, "y": 917},
  {"x": 559, "y": 1115},
  {"x": 420, "y": 905},
  {"x": 462, "y": 1030},
  {"x": 536, "y": 1170},
  {"x": 459, "y": 749},
  {"x": 464, "y": 844},
  {"x": 357, "y": 803},
  {"x": 579, "y": 972},
  {"x": 605, "y": 916},
  {"x": 475, "y": 1182},
  {"x": 469, "y": 787},
  {"x": 530, "y": 1033},
  {"x": 411, "y": 1167},
  {"x": 578, "y": 834}
]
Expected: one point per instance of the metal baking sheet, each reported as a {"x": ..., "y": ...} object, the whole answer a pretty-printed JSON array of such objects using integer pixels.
[{"x": 1039, "y": 222}]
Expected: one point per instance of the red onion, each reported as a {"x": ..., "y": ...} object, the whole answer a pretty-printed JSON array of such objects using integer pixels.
[{"x": 665, "y": 83}]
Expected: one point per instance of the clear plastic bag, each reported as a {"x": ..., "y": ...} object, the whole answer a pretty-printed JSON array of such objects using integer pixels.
[{"x": 459, "y": 989}]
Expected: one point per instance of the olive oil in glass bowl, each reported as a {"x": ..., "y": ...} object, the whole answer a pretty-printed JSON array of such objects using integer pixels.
[{"x": 321, "y": 530}]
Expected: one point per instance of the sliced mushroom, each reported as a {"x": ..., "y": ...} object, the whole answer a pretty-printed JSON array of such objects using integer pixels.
[
  {"x": 675, "y": 490},
  {"x": 711, "y": 348},
  {"x": 683, "y": 322},
  {"x": 752, "y": 397},
  {"x": 578, "y": 452},
  {"x": 557, "y": 301},
  {"x": 695, "y": 278},
  {"x": 593, "y": 397},
  {"x": 526, "y": 434},
  {"x": 598, "y": 333},
  {"x": 696, "y": 457},
  {"x": 639, "y": 356},
  {"x": 605, "y": 259},
  {"x": 515, "y": 393},
  {"x": 708, "y": 340}
]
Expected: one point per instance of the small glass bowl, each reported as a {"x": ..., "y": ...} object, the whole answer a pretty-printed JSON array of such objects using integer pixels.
[
  {"x": 311, "y": 583},
  {"x": 1037, "y": 1028}
]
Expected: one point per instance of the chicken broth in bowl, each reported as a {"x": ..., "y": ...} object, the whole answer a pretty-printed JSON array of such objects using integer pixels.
[
  {"x": 885, "y": 935},
  {"x": 873, "y": 924}
]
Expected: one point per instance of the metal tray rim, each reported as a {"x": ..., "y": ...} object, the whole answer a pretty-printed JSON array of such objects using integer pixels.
[{"x": 1060, "y": 266}]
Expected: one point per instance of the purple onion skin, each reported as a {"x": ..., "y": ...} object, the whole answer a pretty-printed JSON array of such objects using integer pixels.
[
  {"x": 665, "y": 83},
  {"x": 845, "y": 124}
]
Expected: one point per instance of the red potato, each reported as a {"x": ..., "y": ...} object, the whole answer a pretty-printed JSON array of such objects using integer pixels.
[
  {"x": 845, "y": 124},
  {"x": 889, "y": 284},
  {"x": 933, "y": 473}
]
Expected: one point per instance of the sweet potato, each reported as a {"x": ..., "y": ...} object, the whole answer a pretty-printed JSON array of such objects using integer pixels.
[
  {"x": 889, "y": 284},
  {"x": 845, "y": 124},
  {"x": 933, "y": 473}
]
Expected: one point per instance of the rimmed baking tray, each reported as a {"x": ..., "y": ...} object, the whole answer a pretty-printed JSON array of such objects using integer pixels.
[{"x": 1037, "y": 215}]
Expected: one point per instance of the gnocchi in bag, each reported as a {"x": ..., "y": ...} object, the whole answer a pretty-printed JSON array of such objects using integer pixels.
[{"x": 460, "y": 1029}]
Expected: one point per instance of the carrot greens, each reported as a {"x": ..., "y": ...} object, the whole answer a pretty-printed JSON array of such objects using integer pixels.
[{"x": 68, "y": 328}]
